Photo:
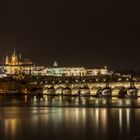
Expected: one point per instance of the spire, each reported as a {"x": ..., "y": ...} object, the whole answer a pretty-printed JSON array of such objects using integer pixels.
[
  {"x": 7, "y": 60},
  {"x": 14, "y": 53},
  {"x": 55, "y": 64},
  {"x": 20, "y": 56},
  {"x": 105, "y": 67},
  {"x": 14, "y": 58}
]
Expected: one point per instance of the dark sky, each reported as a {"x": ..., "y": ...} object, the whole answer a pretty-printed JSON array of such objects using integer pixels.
[{"x": 89, "y": 33}]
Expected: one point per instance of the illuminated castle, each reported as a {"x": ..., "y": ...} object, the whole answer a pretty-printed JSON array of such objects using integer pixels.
[
  {"x": 16, "y": 65},
  {"x": 16, "y": 60}
]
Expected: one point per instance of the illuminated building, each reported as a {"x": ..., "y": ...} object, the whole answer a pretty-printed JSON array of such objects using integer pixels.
[
  {"x": 74, "y": 71},
  {"x": 16, "y": 65}
]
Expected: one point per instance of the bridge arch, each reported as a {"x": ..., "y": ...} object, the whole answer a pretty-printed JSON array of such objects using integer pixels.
[{"x": 94, "y": 91}]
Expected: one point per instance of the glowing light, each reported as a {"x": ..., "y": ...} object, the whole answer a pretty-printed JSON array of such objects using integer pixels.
[
  {"x": 120, "y": 119},
  {"x": 97, "y": 80}
]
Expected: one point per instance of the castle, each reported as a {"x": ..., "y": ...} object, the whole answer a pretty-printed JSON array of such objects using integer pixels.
[
  {"x": 16, "y": 60},
  {"x": 16, "y": 65}
]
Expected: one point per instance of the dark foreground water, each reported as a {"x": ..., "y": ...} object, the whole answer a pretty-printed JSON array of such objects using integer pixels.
[{"x": 52, "y": 119}]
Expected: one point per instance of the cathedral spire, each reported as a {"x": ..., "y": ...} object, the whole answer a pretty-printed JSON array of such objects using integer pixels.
[
  {"x": 7, "y": 60},
  {"x": 20, "y": 56},
  {"x": 14, "y": 53},
  {"x": 55, "y": 64},
  {"x": 14, "y": 58}
]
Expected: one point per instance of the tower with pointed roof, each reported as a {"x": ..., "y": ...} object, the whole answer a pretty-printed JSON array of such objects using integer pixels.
[
  {"x": 20, "y": 56},
  {"x": 55, "y": 64},
  {"x": 14, "y": 59},
  {"x": 15, "y": 64},
  {"x": 7, "y": 60}
]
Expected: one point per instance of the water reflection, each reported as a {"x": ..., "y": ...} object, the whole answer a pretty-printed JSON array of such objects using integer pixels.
[
  {"x": 104, "y": 119},
  {"x": 128, "y": 115},
  {"x": 56, "y": 101},
  {"x": 120, "y": 119},
  {"x": 62, "y": 123},
  {"x": 97, "y": 119}
]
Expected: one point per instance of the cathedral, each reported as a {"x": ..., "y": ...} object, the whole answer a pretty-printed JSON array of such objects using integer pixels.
[
  {"x": 16, "y": 65},
  {"x": 16, "y": 60}
]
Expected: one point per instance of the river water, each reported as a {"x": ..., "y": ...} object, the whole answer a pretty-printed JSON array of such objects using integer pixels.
[{"x": 68, "y": 118}]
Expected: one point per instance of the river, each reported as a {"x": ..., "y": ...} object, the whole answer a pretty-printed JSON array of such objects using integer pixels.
[{"x": 69, "y": 118}]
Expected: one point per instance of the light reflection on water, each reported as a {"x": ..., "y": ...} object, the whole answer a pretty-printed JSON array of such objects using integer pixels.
[
  {"x": 120, "y": 119},
  {"x": 65, "y": 101},
  {"x": 68, "y": 118},
  {"x": 69, "y": 123},
  {"x": 78, "y": 123}
]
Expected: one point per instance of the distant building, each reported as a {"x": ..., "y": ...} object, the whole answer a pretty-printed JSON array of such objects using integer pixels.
[
  {"x": 15, "y": 64},
  {"x": 16, "y": 60},
  {"x": 74, "y": 71},
  {"x": 65, "y": 71}
]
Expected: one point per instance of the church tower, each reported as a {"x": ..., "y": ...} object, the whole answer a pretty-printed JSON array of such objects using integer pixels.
[
  {"x": 20, "y": 57},
  {"x": 55, "y": 64},
  {"x": 7, "y": 60},
  {"x": 14, "y": 59}
]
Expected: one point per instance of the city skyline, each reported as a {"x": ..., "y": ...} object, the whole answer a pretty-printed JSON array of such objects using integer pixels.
[
  {"x": 61, "y": 63},
  {"x": 69, "y": 70},
  {"x": 85, "y": 33}
]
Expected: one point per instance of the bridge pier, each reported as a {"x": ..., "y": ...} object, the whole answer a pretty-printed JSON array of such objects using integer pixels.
[{"x": 117, "y": 89}]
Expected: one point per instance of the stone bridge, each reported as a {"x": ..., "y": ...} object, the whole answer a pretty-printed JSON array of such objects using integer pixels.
[{"x": 94, "y": 87}]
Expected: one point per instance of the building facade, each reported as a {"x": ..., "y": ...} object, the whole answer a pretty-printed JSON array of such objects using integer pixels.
[{"x": 16, "y": 65}]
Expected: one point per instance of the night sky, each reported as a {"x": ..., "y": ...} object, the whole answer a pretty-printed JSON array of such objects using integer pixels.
[{"x": 74, "y": 33}]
